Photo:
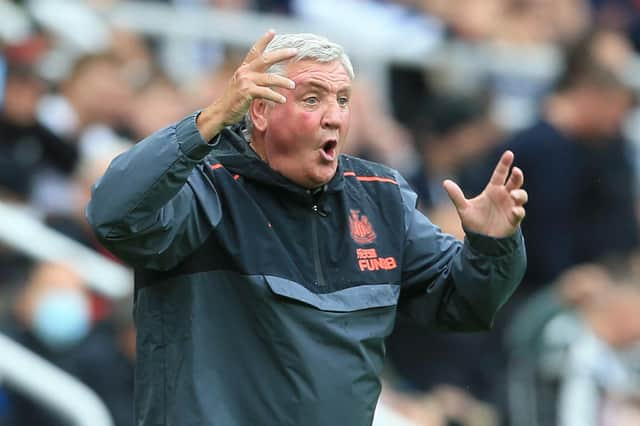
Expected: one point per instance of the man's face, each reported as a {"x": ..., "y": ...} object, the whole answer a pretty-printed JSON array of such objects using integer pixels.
[
  {"x": 604, "y": 110},
  {"x": 304, "y": 136}
]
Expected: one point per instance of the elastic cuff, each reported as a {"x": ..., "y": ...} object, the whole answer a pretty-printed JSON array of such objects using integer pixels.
[
  {"x": 490, "y": 246},
  {"x": 190, "y": 140}
]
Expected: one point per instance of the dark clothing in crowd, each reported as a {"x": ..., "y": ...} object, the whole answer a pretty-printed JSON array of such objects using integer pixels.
[
  {"x": 581, "y": 199},
  {"x": 25, "y": 150},
  {"x": 97, "y": 361}
]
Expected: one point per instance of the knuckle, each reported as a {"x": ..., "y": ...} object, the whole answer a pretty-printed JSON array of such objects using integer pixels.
[
  {"x": 239, "y": 76},
  {"x": 270, "y": 80},
  {"x": 243, "y": 80}
]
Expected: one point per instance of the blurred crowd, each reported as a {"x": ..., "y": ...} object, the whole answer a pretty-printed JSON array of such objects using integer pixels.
[{"x": 553, "y": 81}]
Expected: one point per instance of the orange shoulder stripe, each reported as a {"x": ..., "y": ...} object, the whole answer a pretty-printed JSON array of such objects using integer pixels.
[{"x": 370, "y": 178}]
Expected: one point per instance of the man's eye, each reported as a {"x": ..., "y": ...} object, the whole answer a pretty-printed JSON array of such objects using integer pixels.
[
  {"x": 343, "y": 100},
  {"x": 311, "y": 100}
]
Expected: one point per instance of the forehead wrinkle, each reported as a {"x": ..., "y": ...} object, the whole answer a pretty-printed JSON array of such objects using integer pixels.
[
  {"x": 319, "y": 74},
  {"x": 325, "y": 86}
]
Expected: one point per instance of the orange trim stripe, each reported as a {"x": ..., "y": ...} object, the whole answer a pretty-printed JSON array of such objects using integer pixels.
[
  {"x": 216, "y": 166},
  {"x": 375, "y": 179},
  {"x": 370, "y": 178}
]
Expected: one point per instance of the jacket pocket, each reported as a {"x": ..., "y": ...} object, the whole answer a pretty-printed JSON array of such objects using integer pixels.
[{"x": 365, "y": 296}]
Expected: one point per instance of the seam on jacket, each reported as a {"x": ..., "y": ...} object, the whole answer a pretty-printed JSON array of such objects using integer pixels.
[
  {"x": 404, "y": 218},
  {"x": 264, "y": 274},
  {"x": 144, "y": 196}
]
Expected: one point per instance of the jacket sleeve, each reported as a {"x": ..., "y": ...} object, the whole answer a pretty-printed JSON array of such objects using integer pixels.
[
  {"x": 452, "y": 285},
  {"x": 147, "y": 208}
]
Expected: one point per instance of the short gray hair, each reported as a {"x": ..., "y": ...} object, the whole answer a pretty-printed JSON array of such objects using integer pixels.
[{"x": 310, "y": 46}]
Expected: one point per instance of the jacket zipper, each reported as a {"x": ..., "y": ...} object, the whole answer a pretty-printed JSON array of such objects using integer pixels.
[{"x": 316, "y": 249}]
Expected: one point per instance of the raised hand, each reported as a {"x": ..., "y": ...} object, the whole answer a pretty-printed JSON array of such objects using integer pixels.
[
  {"x": 250, "y": 81},
  {"x": 498, "y": 210}
]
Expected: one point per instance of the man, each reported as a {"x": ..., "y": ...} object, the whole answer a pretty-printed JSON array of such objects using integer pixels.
[{"x": 269, "y": 268}]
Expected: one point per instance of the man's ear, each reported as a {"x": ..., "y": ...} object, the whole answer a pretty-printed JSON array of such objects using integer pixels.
[{"x": 259, "y": 110}]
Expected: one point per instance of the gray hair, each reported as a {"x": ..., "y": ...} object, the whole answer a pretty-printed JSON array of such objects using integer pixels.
[{"x": 310, "y": 46}]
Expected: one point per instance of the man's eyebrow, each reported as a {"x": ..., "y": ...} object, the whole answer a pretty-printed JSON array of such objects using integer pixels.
[{"x": 323, "y": 87}]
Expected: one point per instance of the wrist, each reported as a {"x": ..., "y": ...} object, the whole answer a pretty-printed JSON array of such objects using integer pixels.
[{"x": 210, "y": 122}]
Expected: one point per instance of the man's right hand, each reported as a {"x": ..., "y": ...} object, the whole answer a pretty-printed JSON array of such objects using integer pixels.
[{"x": 250, "y": 81}]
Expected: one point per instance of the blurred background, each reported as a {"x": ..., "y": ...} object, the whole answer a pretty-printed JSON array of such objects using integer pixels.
[{"x": 443, "y": 87}]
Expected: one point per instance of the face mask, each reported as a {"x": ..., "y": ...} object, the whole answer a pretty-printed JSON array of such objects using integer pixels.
[{"x": 62, "y": 319}]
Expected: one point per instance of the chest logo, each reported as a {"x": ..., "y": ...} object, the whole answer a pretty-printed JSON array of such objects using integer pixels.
[
  {"x": 368, "y": 260},
  {"x": 361, "y": 230}
]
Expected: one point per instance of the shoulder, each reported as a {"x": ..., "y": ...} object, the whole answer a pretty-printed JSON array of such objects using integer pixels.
[
  {"x": 383, "y": 182},
  {"x": 369, "y": 171}
]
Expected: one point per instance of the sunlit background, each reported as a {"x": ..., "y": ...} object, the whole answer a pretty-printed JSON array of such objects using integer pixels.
[{"x": 442, "y": 87}]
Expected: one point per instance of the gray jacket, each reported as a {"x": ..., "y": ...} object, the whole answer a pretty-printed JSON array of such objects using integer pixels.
[{"x": 259, "y": 302}]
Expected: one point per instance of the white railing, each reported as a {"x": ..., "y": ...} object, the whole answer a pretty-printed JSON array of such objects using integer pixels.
[
  {"x": 26, "y": 372},
  {"x": 21, "y": 229},
  {"x": 45, "y": 383}
]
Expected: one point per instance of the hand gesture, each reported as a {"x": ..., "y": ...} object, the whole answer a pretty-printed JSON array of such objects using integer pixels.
[
  {"x": 250, "y": 81},
  {"x": 498, "y": 210}
]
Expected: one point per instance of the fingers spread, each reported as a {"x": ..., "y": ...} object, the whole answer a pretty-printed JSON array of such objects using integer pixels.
[
  {"x": 501, "y": 171},
  {"x": 455, "y": 193},
  {"x": 274, "y": 80},
  {"x": 265, "y": 60},
  {"x": 520, "y": 196},
  {"x": 259, "y": 46},
  {"x": 268, "y": 94},
  {"x": 516, "y": 179}
]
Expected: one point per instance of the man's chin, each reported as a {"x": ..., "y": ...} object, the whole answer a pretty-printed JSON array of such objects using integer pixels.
[{"x": 322, "y": 176}]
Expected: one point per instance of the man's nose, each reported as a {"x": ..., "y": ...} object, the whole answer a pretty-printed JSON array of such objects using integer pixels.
[{"x": 332, "y": 117}]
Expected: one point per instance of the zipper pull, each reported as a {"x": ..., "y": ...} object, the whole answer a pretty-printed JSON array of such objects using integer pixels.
[{"x": 319, "y": 212}]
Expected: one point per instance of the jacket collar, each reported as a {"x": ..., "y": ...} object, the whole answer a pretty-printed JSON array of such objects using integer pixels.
[{"x": 235, "y": 154}]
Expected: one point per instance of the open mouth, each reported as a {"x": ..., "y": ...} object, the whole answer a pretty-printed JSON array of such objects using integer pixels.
[{"x": 329, "y": 148}]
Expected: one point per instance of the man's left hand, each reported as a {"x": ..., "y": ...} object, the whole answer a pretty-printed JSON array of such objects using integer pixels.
[{"x": 498, "y": 210}]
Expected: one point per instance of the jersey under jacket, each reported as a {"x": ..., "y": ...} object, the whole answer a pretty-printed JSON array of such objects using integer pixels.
[{"x": 259, "y": 302}]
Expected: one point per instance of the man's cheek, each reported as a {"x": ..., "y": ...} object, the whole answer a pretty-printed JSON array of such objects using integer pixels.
[{"x": 306, "y": 122}]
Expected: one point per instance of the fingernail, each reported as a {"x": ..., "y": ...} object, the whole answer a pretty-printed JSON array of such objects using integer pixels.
[
  {"x": 283, "y": 100},
  {"x": 292, "y": 84},
  {"x": 292, "y": 51}
]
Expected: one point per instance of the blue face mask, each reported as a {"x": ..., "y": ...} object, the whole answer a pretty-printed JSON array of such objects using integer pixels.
[{"x": 62, "y": 319}]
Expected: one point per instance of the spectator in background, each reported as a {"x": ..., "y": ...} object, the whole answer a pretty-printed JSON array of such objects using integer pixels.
[
  {"x": 454, "y": 130},
  {"x": 91, "y": 165},
  {"x": 579, "y": 174},
  {"x": 567, "y": 350},
  {"x": 134, "y": 55},
  {"x": 90, "y": 106},
  {"x": 158, "y": 103},
  {"x": 532, "y": 397},
  {"x": 91, "y": 103},
  {"x": 52, "y": 317},
  {"x": 374, "y": 134},
  {"x": 27, "y": 148}
]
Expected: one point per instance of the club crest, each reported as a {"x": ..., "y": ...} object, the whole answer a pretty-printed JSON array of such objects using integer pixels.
[{"x": 361, "y": 230}]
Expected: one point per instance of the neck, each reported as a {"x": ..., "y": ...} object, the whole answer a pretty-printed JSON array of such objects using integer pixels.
[{"x": 258, "y": 147}]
